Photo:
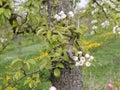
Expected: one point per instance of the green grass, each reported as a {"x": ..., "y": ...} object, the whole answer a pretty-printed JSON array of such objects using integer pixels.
[{"x": 107, "y": 65}]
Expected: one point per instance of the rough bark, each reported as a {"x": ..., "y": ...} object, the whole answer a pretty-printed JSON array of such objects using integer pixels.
[
  {"x": 71, "y": 79},
  {"x": 64, "y": 5}
]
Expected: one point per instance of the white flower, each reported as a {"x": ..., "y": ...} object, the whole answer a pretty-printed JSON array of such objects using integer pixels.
[
  {"x": 82, "y": 59},
  {"x": 2, "y": 40},
  {"x": 94, "y": 21},
  {"x": 118, "y": 29},
  {"x": 63, "y": 16},
  {"x": 118, "y": 32},
  {"x": 92, "y": 32},
  {"x": 52, "y": 88},
  {"x": 80, "y": 52},
  {"x": 81, "y": 63},
  {"x": 94, "y": 11},
  {"x": 71, "y": 14},
  {"x": 105, "y": 24},
  {"x": 77, "y": 64},
  {"x": 115, "y": 28},
  {"x": 94, "y": 5},
  {"x": 57, "y": 17},
  {"x": 105, "y": 9},
  {"x": 91, "y": 57},
  {"x": 87, "y": 64},
  {"x": 75, "y": 58},
  {"x": 94, "y": 27},
  {"x": 87, "y": 55},
  {"x": 61, "y": 12}
]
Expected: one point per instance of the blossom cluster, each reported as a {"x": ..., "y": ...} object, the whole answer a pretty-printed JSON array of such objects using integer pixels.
[
  {"x": 81, "y": 60},
  {"x": 94, "y": 11},
  {"x": 2, "y": 40},
  {"x": 106, "y": 23},
  {"x": 94, "y": 21},
  {"x": 94, "y": 27},
  {"x": 62, "y": 15},
  {"x": 116, "y": 29}
]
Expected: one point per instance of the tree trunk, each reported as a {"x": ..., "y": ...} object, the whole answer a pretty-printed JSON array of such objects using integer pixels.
[
  {"x": 64, "y": 5},
  {"x": 70, "y": 79}
]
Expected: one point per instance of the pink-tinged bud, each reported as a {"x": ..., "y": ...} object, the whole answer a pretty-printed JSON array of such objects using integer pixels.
[
  {"x": 110, "y": 86},
  {"x": 52, "y": 88}
]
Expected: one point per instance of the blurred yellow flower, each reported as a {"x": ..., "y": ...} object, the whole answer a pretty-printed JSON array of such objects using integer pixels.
[
  {"x": 7, "y": 78},
  {"x": 43, "y": 55},
  {"x": 92, "y": 45}
]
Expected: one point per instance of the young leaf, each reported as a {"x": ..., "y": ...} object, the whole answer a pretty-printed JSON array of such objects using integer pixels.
[
  {"x": 15, "y": 61},
  {"x": 60, "y": 65},
  {"x": 57, "y": 72},
  {"x": 49, "y": 34}
]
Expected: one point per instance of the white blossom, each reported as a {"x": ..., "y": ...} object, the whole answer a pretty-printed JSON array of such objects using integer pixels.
[
  {"x": 81, "y": 63},
  {"x": 94, "y": 21},
  {"x": 52, "y": 88},
  {"x": 75, "y": 58},
  {"x": 94, "y": 5},
  {"x": 3, "y": 40},
  {"x": 91, "y": 57},
  {"x": 80, "y": 52},
  {"x": 63, "y": 16},
  {"x": 87, "y": 55},
  {"x": 94, "y": 11},
  {"x": 105, "y": 24},
  {"x": 92, "y": 32},
  {"x": 61, "y": 12},
  {"x": 94, "y": 27},
  {"x": 60, "y": 16},
  {"x": 77, "y": 64},
  {"x": 82, "y": 59},
  {"x": 118, "y": 32},
  {"x": 88, "y": 64},
  {"x": 71, "y": 14},
  {"x": 115, "y": 29},
  {"x": 105, "y": 9},
  {"x": 57, "y": 17}
]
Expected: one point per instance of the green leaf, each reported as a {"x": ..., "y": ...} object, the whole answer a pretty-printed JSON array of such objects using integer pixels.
[
  {"x": 1, "y": 10},
  {"x": 27, "y": 81},
  {"x": 7, "y": 13},
  {"x": 1, "y": 5},
  {"x": 31, "y": 84},
  {"x": 31, "y": 61},
  {"x": 40, "y": 31},
  {"x": 60, "y": 65},
  {"x": 28, "y": 65},
  {"x": 49, "y": 34},
  {"x": 15, "y": 24},
  {"x": 15, "y": 61},
  {"x": 17, "y": 75},
  {"x": 57, "y": 72},
  {"x": 61, "y": 36}
]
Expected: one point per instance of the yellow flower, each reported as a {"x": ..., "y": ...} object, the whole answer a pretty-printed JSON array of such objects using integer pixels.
[
  {"x": 7, "y": 78},
  {"x": 43, "y": 55}
]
